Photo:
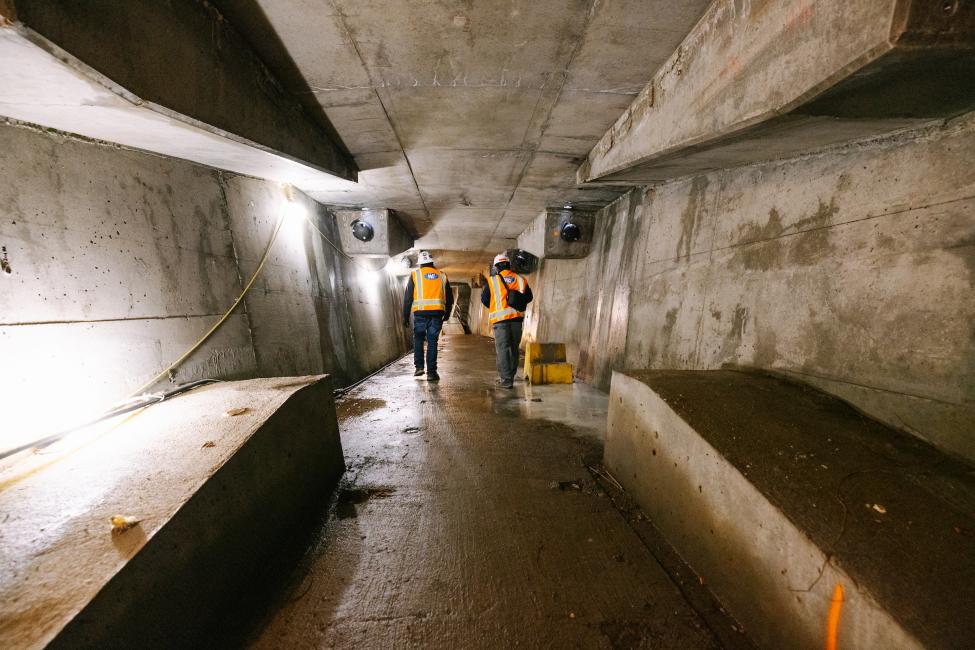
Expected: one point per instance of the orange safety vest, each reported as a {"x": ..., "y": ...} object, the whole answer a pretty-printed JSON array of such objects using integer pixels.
[
  {"x": 499, "y": 310},
  {"x": 430, "y": 288}
]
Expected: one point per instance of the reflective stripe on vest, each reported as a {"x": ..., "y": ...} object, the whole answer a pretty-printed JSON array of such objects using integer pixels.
[
  {"x": 429, "y": 294},
  {"x": 499, "y": 310}
]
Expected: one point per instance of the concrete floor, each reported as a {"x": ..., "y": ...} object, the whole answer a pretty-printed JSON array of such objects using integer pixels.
[{"x": 468, "y": 518}]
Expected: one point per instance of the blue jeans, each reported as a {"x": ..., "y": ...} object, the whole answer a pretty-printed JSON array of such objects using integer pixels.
[{"x": 426, "y": 328}]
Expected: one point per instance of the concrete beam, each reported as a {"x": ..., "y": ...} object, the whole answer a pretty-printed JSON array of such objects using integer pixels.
[
  {"x": 216, "y": 497},
  {"x": 760, "y": 80},
  {"x": 169, "y": 77}
]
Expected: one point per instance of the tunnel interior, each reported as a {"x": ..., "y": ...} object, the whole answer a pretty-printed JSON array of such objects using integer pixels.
[{"x": 266, "y": 266}]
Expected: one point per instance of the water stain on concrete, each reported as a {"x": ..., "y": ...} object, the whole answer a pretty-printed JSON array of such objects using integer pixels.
[
  {"x": 765, "y": 247},
  {"x": 766, "y": 352},
  {"x": 813, "y": 242},
  {"x": 732, "y": 340},
  {"x": 670, "y": 320},
  {"x": 760, "y": 248},
  {"x": 964, "y": 249},
  {"x": 692, "y": 216}
]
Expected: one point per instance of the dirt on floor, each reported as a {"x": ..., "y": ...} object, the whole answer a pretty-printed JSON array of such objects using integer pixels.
[{"x": 897, "y": 514}]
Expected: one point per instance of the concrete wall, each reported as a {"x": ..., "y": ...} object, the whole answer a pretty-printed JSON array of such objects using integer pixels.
[
  {"x": 120, "y": 261},
  {"x": 852, "y": 269}
]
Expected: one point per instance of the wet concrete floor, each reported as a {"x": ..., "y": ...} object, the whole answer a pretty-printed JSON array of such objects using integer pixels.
[{"x": 470, "y": 517}]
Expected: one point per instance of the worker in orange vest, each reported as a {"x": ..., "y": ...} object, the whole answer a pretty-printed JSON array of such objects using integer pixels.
[
  {"x": 506, "y": 295},
  {"x": 430, "y": 300}
]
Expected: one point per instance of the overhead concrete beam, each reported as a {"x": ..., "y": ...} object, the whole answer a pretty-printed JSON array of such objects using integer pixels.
[
  {"x": 169, "y": 77},
  {"x": 759, "y": 80}
]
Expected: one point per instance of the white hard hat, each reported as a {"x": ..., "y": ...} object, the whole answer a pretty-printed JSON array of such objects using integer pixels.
[
  {"x": 424, "y": 258},
  {"x": 501, "y": 257}
]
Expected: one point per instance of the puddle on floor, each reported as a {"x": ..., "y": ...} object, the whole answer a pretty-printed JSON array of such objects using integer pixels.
[{"x": 353, "y": 407}]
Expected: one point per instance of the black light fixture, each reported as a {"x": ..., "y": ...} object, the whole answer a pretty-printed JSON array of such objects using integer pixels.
[
  {"x": 363, "y": 231},
  {"x": 524, "y": 262},
  {"x": 570, "y": 232}
]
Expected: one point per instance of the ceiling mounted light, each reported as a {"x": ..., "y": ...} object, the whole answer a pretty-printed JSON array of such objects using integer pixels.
[
  {"x": 525, "y": 262},
  {"x": 570, "y": 232},
  {"x": 362, "y": 231}
]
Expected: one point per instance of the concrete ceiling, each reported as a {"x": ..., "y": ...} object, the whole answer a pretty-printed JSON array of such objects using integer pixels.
[{"x": 467, "y": 118}]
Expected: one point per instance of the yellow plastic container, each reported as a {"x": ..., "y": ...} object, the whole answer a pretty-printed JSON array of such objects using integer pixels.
[{"x": 545, "y": 364}]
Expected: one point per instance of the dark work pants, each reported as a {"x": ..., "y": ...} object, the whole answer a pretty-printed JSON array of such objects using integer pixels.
[
  {"x": 426, "y": 328},
  {"x": 507, "y": 338}
]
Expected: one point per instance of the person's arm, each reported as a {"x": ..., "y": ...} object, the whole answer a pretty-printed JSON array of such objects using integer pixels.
[
  {"x": 528, "y": 294},
  {"x": 450, "y": 298},
  {"x": 408, "y": 301},
  {"x": 486, "y": 295}
]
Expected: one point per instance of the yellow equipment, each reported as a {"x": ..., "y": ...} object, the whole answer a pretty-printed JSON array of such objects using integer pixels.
[{"x": 545, "y": 364}]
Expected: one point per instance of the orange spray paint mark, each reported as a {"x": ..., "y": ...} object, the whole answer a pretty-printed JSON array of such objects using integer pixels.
[{"x": 833, "y": 620}]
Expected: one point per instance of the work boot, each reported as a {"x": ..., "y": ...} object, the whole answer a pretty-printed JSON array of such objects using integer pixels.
[
  {"x": 418, "y": 372},
  {"x": 433, "y": 377}
]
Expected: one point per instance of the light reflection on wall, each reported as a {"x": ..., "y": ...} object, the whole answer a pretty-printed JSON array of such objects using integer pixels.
[
  {"x": 371, "y": 282},
  {"x": 58, "y": 376},
  {"x": 294, "y": 229}
]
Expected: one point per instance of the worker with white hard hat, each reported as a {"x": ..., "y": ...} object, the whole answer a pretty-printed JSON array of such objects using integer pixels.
[
  {"x": 506, "y": 295},
  {"x": 429, "y": 298}
]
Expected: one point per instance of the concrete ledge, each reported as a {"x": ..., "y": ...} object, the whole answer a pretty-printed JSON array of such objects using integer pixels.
[
  {"x": 761, "y": 80},
  {"x": 185, "y": 56},
  {"x": 172, "y": 78},
  {"x": 767, "y": 488},
  {"x": 215, "y": 495}
]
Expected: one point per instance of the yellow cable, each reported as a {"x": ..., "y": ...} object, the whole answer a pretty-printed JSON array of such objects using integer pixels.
[
  {"x": 274, "y": 235},
  {"x": 243, "y": 293},
  {"x": 223, "y": 318}
]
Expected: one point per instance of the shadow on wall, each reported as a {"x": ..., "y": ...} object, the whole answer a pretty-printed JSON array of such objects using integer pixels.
[{"x": 250, "y": 20}]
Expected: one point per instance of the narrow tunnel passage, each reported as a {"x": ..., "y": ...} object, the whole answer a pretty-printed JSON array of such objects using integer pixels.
[
  {"x": 751, "y": 223},
  {"x": 468, "y": 517}
]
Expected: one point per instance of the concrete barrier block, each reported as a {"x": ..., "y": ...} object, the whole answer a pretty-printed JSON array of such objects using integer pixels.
[
  {"x": 774, "y": 493},
  {"x": 217, "y": 479}
]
